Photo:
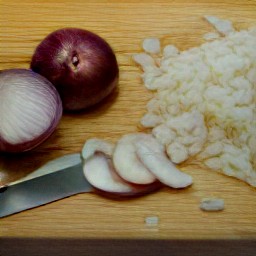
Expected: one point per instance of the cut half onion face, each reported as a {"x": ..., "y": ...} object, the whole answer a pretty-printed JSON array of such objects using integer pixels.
[{"x": 30, "y": 110}]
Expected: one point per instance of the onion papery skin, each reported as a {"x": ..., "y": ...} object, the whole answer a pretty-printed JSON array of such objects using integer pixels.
[
  {"x": 25, "y": 95},
  {"x": 81, "y": 65}
]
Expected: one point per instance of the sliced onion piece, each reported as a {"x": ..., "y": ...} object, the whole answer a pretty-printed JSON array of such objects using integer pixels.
[
  {"x": 100, "y": 173},
  {"x": 30, "y": 110},
  {"x": 159, "y": 164},
  {"x": 95, "y": 145},
  {"x": 126, "y": 162}
]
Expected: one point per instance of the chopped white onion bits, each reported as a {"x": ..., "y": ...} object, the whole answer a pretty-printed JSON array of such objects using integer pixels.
[
  {"x": 152, "y": 45},
  {"x": 204, "y": 104},
  {"x": 212, "y": 204}
]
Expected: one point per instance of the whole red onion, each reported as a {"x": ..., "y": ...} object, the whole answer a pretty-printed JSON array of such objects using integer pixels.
[
  {"x": 80, "y": 64},
  {"x": 30, "y": 110}
]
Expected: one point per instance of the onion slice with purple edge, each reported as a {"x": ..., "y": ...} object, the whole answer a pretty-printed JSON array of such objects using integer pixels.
[
  {"x": 101, "y": 174},
  {"x": 30, "y": 110}
]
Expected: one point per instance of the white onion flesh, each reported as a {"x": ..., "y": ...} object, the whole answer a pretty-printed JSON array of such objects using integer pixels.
[
  {"x": 212, "y": 204},
  {"x": 162, "y": 167},
  {"x": 94, "y": 145},
  {"x": 206, "y": 95},
  {"x": 100, "y": 173},
  {"x": 126, "y": 162},
  {"x": 30, "y": 109},
  {"x": 152, "y": 45}
]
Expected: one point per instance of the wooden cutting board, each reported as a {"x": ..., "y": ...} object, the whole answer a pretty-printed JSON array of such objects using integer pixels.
[{"x": 124, "y": 24}]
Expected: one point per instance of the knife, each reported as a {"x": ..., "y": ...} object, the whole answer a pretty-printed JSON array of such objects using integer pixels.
[{"x": 59, "y": 178}]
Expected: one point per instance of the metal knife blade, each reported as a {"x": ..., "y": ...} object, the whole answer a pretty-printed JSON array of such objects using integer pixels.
[
  {"x": 40, "y": 190},
  {"x": 54, "y": 165}
]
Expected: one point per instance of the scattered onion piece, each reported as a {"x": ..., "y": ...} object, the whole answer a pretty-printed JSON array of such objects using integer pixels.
[{"x": 151, "y": 45}]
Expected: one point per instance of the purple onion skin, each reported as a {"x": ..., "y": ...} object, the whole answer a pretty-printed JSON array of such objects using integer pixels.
[
  {"x": 29, "y": 145},
  {"x": 81, "y": 65}
]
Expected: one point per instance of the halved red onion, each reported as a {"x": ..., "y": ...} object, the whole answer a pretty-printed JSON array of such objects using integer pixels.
[{"x": 30, "y": 110}]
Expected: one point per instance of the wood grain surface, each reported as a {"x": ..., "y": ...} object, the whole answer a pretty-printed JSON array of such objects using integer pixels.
[{"x": 124, "y": 24}]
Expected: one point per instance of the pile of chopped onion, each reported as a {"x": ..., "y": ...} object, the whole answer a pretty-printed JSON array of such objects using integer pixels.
[{"x": 204, "y": 104}]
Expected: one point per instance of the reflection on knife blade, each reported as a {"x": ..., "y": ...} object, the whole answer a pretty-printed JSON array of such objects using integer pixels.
[
  {"x": 54, "y": 165},
  {"x": 44, "y": 186}
]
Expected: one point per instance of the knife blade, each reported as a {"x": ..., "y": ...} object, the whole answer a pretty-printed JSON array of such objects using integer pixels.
[
  {"x": 44, "y": 186},
  {"x": 54, "y": 165}
]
